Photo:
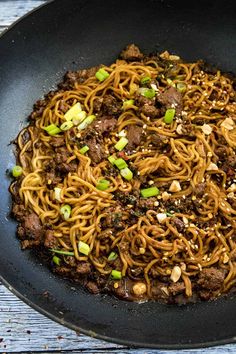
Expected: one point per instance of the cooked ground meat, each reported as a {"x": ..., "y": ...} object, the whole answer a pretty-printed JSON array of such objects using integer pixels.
[
  {"x": 95, "y": 144},
  {"x": 176, "y": 288},
  {"x": 171, "y": 98},
  {"x": 146, "y": 203},
  {"x": 111, "y": 105},
  {"x": 159, "y": 141},
  {"x": 211, "y": 278},
  {"x": 80, "y": 76},
  {"x": 83, "y": 268},
  {"x": 31, "y": 227},
  {"x": 19, "y": 211},
  {"x": 92, "y": 287},
  {"x": 104, "y": 124},
  {"x": 134, "y": 136},
  {"x": 50, "y": 241},
  {"x": 179, "y": 224},
  {"x": 199, "y": 190},
  {"x": 131, "y": 53},
  {"x": 97, "y": 104},
  {"x": 57, "y": 141}
]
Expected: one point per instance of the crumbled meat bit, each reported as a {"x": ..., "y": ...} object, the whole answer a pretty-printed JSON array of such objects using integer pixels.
[
  {"x": 57, "y": 141},
  {"x": 176, "y": 288},
  {"x": 199, "y": 190},
  {"x": 29, "y": 244},
  {"x": 32, "y": 227},
  {"x": 171, "y": 98},
  {"x": 83, "y": 268},
  {"x": 80, "y": 76},
  {"x": 92, "y": 287},
  {"x": 146, "y": 203},
  {"x": 211, "y": 278},
  {"x": 131, "y": 53},
  {"x": 50, "y": 240},
  {"x": 147, "y": 106},
  {"x": 111, "y": 105},
  {"x": 158, "y": 140},
  {"x": 221, "y": 151},
  {"x": 96, "y": 147},
  {"x": 179, "y": 224},
  {"x": 19, "y": 211},
  {"x": 104, "y": 124},
  {"x": 134, "y": 136},
  {"x": 97, "y": 104}
]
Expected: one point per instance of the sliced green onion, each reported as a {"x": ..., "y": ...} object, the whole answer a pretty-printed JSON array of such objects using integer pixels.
[
  {"x": 66, "y": 253},
  {"x": 112, "y": 256},
  {"x": 146, "y": 92},
  {"x": 79, "y": 118},
  {"x": 120, "y": 163},
  {"x": 149, "y": 192},
  {"x": 169, "y": 214},
  {"x": 83, "y": 248},
  {"x": 56, "y": 260},
  {"x": 17, "y": 171},
  {"x": 169, "y": 115},
  {"x": 52, "y": 129},
  {"x": 127, "y": 104},
  {"x": 116, "y": 274},
  {"x": 66, "y": 125},
  {"x": 111, "y": 159},
  {"x": 103, "y": 184},
  {"x": 65, "y": 211},
  {"x": 86, "y": 122},
  {"x": 121, "y": 143},
  {"x": 170, "y": 82},
  {"x": 84, "y": 149},
  {"x": 57, "y": 193},
  {"x": 145, "y": 80},
  {"x": 102, "y": 74},
  {"x": 73, "y": 112},
  {"x": 181, "y": 87},
  {"x": 126, "y": 173}
]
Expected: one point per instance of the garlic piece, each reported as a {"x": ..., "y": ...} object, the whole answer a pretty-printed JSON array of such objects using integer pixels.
[
  {"x": 154, "y": 87},
  {"x": 175, "y": 186},
  {"x": 212, "y": 167},
  {"x": 207, "y": 129},
  {"x": 232, "y": 188},
  {"x": 228, "y": 124},
  {"x": 175, "y": 274},
  {"x": 139, "y": 288},
  {"x": 179, "y": 129},
  {"x": 165, "y": 196},
  {"x": 161, "y": 217}
]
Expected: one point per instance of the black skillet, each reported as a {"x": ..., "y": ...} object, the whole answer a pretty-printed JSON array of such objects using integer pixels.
[{"x": 34, "y": 54}]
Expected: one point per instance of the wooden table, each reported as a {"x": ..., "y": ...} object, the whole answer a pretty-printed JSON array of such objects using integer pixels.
[{"x": 23, "y": 330}]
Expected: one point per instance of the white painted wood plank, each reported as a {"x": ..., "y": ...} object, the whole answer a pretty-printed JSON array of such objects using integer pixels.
[{"x": 24, "y": 330}]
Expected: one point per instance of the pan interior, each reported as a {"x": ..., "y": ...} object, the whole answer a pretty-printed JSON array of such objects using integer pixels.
[{"x": 70, "y": 34}]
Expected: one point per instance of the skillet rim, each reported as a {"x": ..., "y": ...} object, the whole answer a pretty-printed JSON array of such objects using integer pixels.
[{"x": 90, "y": 333}]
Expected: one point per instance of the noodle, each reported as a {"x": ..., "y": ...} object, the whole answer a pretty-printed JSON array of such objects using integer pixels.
[{"x": 179, "y": 242}]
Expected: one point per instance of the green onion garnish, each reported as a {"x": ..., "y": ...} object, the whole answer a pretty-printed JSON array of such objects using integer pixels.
[
  {"x": 83, "y": 248},
  {"x": 84, "y": 149},
  {"x": 111, "y": 159},
  {"x": 65, "y": 211},
  {"x": 56, "y": 260},
  {"x": 103, "y": 184},
  {"x": 102, "y": 74},
  {"x": 126, "y": 173},
  {"x": 149, "y": 192},
  {"x": 145, "y": 80},
  {"x": 116, "y": 274},
  {"x": 127, "y": 104},
  {"x": 146, "y": 92},
  {"x": 52, "y": 129},
  {"x": 66, "y": 253},
  {"x": 66, "y": 125},
  {"x": 170, "y": 82},
  {"x": 17, "y": 171},
  {"x": 181, "y": 87},
  {"x": 112, "y": 256},
  {"x": 120, "y": 163},
  {"x": 86, "y": 122},
  {"x": 73, "y": 112},
  {"x": 121, "y": 143},
  {"x": 169, "y": 115}
]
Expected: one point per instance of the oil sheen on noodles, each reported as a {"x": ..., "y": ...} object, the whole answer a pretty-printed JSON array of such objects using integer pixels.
[{"x": 165, "y": 231}]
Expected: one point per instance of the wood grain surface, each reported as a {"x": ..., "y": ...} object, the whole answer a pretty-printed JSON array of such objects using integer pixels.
[{"x": 23, "y": 330}]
